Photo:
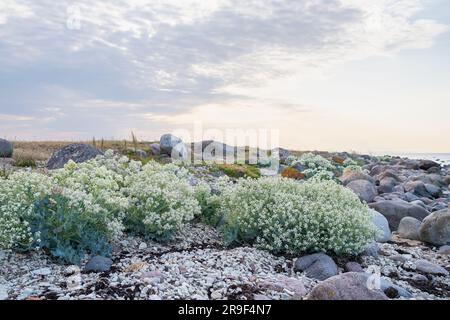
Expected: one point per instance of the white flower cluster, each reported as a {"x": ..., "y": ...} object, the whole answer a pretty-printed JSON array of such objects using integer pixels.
[
  {"x": 316, "y": 166},
  {"x": 161, "y": 200},
  {"x": 17, "y": 197},
  {"x": 285, "y": 216}
]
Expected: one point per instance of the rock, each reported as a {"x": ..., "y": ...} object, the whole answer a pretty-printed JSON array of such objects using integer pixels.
[
  {"x": 260, "y": 297},
  {"x": 409, "y": 228},
  {"x": 435, "y": 228},
  {"x": 168, "y": 142},
  {"x": 76, "y": 152},
  {"x": 410, "y": 197},
  {"x": 387, "y": 286},
  {"x": 371, "y": 250},
  {"x": 6, "y": 149},
  {"x": 395, "y": 210},
  {"x": 347, "y": 286},
  {"x": 141, "y": 153},
  {"x": 388, "y": 173},
  {"x": 281, "y": 283},
  {"x": 355, "y": 175},
  {"x": 98, "y": 264},
  {"x": 434, "y": 191},
  {"x": 364, "y": 189},
  {"x": 446, "y": 180},
  {"x": 418, "y": 188},
  {"x": 445, "y": 250},
  {"x": 387, "y": 185},
  {"x": 317, "y": 266},
  {"x": 216, "y": 295},
  {"x": 155, "y": 149},
  {"x": 353, "y": 267},
  {"x": 381, "y": 222},
  {"x": 42, "y": 272},
  {"x": 3, "y": 292},
  {"x": 427, "y": 164},
  {"x": 142, "y": 246},
  {"x": 180, "y": 151},
  {"x": 430, "y": 268},
  {"x": 283, "y": 154}
]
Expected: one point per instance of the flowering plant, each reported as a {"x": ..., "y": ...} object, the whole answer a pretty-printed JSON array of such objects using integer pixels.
[{"x": 285, "y": 216}]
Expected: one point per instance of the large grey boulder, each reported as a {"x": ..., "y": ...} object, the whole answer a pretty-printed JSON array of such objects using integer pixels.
[
  {"x": 387, "y": 185},
  {"x": 382, "y": 224},
  {"x": 396, "y": 210},
  {"x": 355, "y": 175},
  {"x": 76, "y": 152},
  {"x": 6, "y": 149},
  {"x": 364, "y": 189},
  {"x": 409, "y": 228},
  {"x": 317, "y": 266},
  {"x": 168, "y": 142},
  {"x": 435, "y": 228},
  {"x": 418, "y": 188},
  {"x": 347, "y": 286},
  {"x": 428, "y": 164}
]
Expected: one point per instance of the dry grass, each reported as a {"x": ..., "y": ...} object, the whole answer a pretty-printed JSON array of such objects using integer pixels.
[{"x": 37, "y": 151}]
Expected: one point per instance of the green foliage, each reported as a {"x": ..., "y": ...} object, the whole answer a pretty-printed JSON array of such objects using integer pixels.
[
  {"x": 284, "y": 216},
  {"x": 239, "y": 170},
  {"x": 68, "y": 230}
]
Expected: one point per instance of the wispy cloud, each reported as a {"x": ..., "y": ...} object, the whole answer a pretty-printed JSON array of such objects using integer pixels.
[{"x": 163, "y": 59}]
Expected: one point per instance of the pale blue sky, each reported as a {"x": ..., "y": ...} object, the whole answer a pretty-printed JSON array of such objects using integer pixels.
[{"x": 358, "y": 75}]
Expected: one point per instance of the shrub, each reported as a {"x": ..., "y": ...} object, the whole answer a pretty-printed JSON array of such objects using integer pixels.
[
  {"x": 70, "y": 227},
  {"x": 239, "y": 170},
  {"x": 161, "y": 201},
  {"x": 284, "y": 216},
  {"x": 18, "y": 193},
  {"x": 313, "y": 166},
  {"x": 102, "y": 178}
]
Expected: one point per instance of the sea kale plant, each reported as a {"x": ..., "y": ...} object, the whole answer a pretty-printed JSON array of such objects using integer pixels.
[
  {"x": 313, "y": 166},
  {"x": 161, "y": 200},
  {"x": 285, "y": 216}
]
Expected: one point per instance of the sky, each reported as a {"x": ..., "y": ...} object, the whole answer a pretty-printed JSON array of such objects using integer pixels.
[{"x": 337, "y": 75}]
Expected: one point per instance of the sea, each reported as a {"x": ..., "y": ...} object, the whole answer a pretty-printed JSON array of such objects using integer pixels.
[{"x": 442, "y": 158}]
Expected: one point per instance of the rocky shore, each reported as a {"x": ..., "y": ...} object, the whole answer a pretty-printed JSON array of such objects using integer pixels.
[{"x": 410, "y": 261}]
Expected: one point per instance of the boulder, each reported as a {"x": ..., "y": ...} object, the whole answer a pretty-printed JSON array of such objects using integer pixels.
[
  {"x": 430, "y": 268},
  {"x": 364, "y": 189},
  {"x": 353, "y": 266},
  {"x": 444, "y": 250},
  {"x": 418, "y": 188},
  {"x": 317, "y": 266},
  {"x": 396, "y": 210},
  {"x": 76, "y": 152},
  {"x": 155, "y": 149},
  {"x": 347, "y": 286},
  {"x": 168, "y": 142},
  {"x": 98, "y": 264},
  {"x": 409, "y": 228},
  {"x": 6, "y": 149},
  {"x": 427, "y": 164},
  {"x": 387, "y": 185},
  {"x": 350, "y": 176},
  {"x": 381, "y": 223},
  {"x": 435, "y": 228},
  {"x": 433, "y": 191}
]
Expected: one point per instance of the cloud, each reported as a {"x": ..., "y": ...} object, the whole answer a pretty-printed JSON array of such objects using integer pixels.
[{"x": 165, "y": 58}]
